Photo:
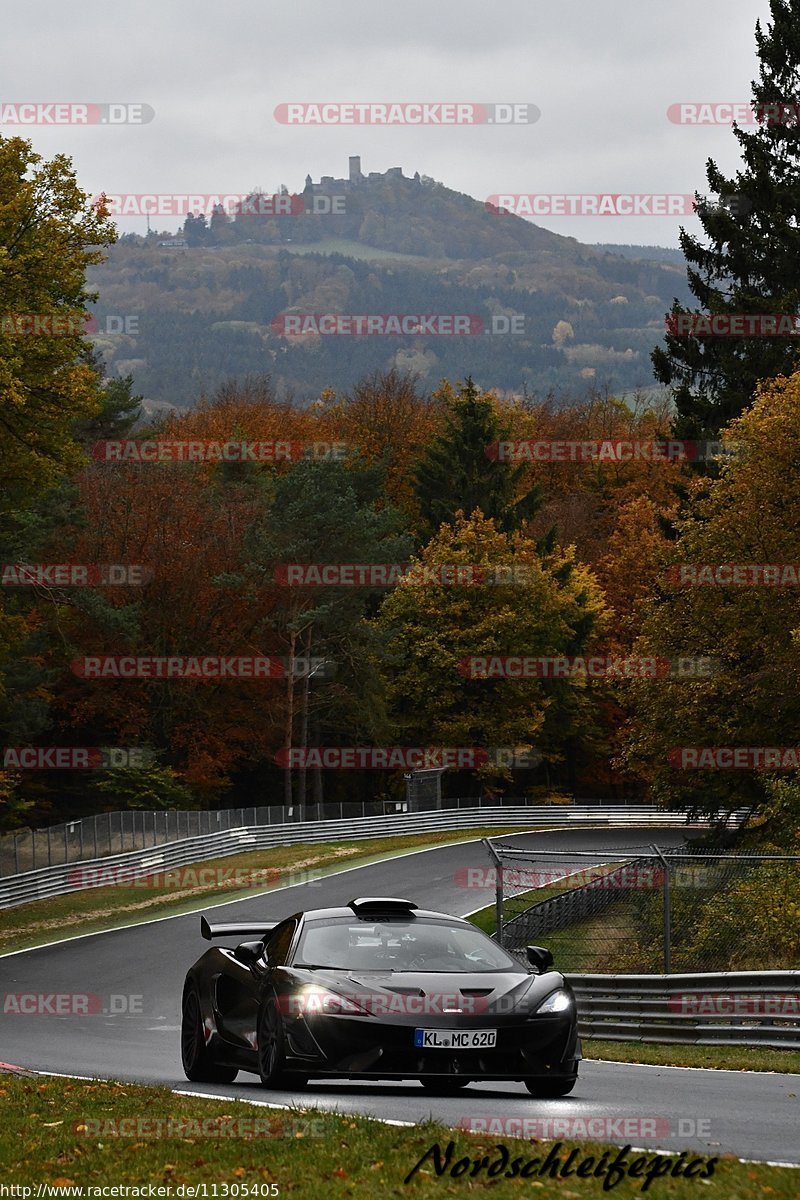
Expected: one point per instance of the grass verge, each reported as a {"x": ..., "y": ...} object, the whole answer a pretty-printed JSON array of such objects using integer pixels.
[
  {"x": 565, "y": 942},
  {"x": 65, "y": 1134},
  {"x": 89, "y": 910},
  {"x": 723, "y": 1058}
]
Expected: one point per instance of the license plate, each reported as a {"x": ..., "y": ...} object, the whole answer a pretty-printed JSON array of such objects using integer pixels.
[{"x": 454, "y": 1039}]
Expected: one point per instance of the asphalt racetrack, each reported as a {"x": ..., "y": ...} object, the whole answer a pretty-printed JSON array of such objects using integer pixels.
[{"x": 142, "y": 967}]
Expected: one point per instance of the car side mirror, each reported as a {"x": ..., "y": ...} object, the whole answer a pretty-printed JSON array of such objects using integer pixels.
[
  {"x": 540, "y": 958},
  {"x": 248, "y": 952}
]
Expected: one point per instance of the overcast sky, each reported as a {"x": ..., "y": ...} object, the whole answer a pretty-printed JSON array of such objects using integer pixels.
[{"x": 602, "y": 72}]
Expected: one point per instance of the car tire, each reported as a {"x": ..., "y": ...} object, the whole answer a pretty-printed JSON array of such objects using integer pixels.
[
  {"x": 444, "y": 1086},
  {"x": 197, "y": 1063},
  {"x": 272, "y": 1050},
  {"x": 550, "y": 1089}
]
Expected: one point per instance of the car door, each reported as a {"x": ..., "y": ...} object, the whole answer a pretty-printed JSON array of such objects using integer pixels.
[
  {"x": 234, "y": 1000},
  {"x": 239, "y": 992}
]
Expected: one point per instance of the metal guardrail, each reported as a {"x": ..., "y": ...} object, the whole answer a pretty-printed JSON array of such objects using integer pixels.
[
  {"x": 725, "y": 1008},
  {"x": 65, "y": 878},
  {"x": 117, "y": 832}
]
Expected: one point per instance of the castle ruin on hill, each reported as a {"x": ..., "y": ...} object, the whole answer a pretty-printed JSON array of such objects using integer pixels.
[{"x": 355, "y": 178}]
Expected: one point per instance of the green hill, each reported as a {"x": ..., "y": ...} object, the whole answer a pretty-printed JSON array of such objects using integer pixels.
[{"x": 204, "y": 304}]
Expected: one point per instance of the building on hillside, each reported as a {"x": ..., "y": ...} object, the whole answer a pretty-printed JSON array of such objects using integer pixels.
[{"x": 355, "y": 178}]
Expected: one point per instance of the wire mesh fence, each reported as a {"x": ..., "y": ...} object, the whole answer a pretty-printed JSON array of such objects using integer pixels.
[
  {"x": 672, "y": 910},
  {"x": 117, "y": 832}
]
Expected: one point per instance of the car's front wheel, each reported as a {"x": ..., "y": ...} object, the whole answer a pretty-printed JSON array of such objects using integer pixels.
[
  {"x": 272, "y": 1050},
  {"x": 550, "y": 1088},
  {"x": 444, "y": 1086},
  {"x": 197, "y": 1063}
]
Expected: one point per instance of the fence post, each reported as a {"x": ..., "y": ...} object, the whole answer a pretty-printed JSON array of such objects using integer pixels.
[
  {"x": 498, "y": 890},
  {"x": 666, "y": 904}
]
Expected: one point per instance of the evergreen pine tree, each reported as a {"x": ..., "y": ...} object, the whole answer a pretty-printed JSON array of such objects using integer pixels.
[
  {"x": 751, "y": 262},
  {"x": 455, "y": 472}
]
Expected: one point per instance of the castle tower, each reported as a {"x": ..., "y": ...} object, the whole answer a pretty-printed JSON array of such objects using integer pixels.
[{"x": 355, "y": 168}]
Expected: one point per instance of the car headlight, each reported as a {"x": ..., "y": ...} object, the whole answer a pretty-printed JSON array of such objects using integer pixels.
[
  {"x": 557, "y": 1002},
  {"x": 313, "y": 1001}
]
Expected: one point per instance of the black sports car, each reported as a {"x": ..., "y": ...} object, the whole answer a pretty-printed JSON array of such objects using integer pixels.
[{"x": 377, "y": 990}]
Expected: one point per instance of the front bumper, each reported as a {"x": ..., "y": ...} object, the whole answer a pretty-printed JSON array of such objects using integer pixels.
[{"x": 371, "y": 1048}]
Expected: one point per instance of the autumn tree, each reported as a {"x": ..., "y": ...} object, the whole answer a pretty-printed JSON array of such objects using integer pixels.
[
  {"x": 750, "y": 515},
  {"x": 187, "y": 530},
  {"x": 386, "y": 419},
  {"x": 429, "y": 627},
  {"x": 49, "y": 235}
]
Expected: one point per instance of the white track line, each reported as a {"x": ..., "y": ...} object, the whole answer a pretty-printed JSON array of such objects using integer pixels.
[{"x": 754, "y": 1162}]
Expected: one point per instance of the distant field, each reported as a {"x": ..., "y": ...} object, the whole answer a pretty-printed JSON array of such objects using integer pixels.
[
  {"x": 353, "y": 250},
  {"x": 344, "y": 246}
]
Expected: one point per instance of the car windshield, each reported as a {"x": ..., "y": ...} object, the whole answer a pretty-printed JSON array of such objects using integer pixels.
[{"x": 399, "y": 944}]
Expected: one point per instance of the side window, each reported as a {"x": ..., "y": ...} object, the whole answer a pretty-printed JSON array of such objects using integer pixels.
[{"x": 279, "y": 943}]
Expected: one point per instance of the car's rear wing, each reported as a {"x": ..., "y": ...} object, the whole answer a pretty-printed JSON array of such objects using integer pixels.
[{"x": 236, "y": 929}]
